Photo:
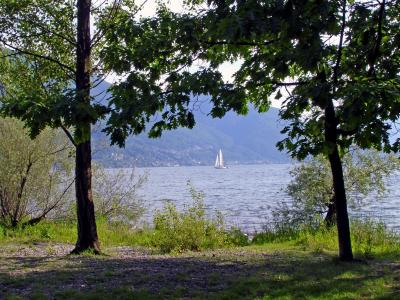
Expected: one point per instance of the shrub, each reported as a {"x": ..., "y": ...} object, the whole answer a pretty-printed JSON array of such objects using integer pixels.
[
  {"x": 311, "y": 189},
  {"x": 237, "y": 237},
  {"x": 190, "y": 229},
  {"x": 115, "y": 195},
  {"x": 370, "y": 238},
  {"x": 34, "y": 174}
]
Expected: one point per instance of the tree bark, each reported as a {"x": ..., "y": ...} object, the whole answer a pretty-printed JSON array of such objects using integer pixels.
[
  {"x": 342, "y": 218},
  {"x": 330, "y": 218},
  {"x": 87, "y": 231}
]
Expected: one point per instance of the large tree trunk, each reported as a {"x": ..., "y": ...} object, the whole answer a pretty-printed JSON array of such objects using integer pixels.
[
  {"x": 87, "y": 231},
  {"x": 342, "y": 218}
]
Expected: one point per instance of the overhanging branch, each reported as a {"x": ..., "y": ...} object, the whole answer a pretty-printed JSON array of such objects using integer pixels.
[{"x": 40, "y": 56}]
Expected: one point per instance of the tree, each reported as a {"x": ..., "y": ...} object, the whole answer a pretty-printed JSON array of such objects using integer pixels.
[
  {"x": 34, "y": 176},
  {"x": 50, "y": 46},
  {"x": 40, "y": 38},
  {"x": 335, "y": 62},
  {"x": 313, "y": 194},
  {"x": 344, "y": 98}
]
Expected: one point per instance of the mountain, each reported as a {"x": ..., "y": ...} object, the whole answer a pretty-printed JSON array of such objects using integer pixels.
[{"x": 243, "y": 139}]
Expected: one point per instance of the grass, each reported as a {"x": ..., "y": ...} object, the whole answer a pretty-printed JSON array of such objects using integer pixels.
[
  {"x": 369, "y": 239},
  {"x": 115, "y": 234},
  {"x": 174, "y": 231},
  {"x": 278, "y": 264},
  {"x": 251, "y": 272}
]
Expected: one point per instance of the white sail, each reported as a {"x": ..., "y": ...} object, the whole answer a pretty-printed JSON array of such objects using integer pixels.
[
  {"x": 219, "y": 161},
  {"x": 221, "y": 158}
]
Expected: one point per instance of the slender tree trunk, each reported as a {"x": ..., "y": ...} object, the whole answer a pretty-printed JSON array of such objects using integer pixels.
[
  {"x": 87, "y": 231},
  {"x": 330, "y": 218},
  {"x": 342, "y": 218}
]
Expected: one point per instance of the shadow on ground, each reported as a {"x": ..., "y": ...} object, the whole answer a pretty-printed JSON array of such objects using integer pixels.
[{"x": 234, "y": 274}]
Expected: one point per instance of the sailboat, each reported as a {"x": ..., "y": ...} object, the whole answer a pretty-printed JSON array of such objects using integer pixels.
[{"x": 219, "y": 161}]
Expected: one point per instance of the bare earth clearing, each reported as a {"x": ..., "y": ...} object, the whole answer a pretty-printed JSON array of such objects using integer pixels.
[{"x": 45, "y": 270}]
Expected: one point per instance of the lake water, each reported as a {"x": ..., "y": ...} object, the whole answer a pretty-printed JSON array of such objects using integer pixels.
[{"x": 245, "y": 194}]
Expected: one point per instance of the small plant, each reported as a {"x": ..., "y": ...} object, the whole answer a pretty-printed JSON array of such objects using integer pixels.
[
  {"x": 276, "y": 233},
  {"x": 45, "y": 233},
  {"x": 190, "y": 229},
  {"x": 237, "y": 237}
]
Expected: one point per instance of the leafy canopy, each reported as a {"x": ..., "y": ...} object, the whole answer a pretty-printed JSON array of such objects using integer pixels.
[
  {"x": 38, "y": 42},
  {"x": 286, "y": 49}
]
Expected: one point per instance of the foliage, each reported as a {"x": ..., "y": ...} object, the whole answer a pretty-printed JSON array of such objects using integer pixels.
[
  {"x": 334, "y": 63},
  {"x": 311, "y": 188},
  {"x": 290, "y": 50},
  {"x": 56, "y": 55},
  {"x": 236, "y": 237},
  {"x": 59, "y": 231},
  {"x": 190, "y": 229},
  {"x": 38, "y": 41},
  {"x": 115, "y": 195},
  {"x": 371, "y": 238},
  {"x": 34, "y": 174}
]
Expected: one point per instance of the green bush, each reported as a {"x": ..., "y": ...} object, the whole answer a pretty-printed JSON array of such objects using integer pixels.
[
  {"x": 237, "y": 237},
  {"x": 312, "y": 193},
  {"x": 190, "y": 229},
  {"x": 63, "y": 232}
]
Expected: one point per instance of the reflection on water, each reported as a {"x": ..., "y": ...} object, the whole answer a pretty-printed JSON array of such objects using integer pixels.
[{"x": 244, "y": 193}]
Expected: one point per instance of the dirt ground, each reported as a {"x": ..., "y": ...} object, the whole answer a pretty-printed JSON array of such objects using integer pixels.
[
  {"x": 46, "y": 271},
  {"x": 26, "y": 269}
]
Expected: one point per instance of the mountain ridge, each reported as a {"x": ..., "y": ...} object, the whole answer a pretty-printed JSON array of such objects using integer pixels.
[{"x": 245, "y": 139}]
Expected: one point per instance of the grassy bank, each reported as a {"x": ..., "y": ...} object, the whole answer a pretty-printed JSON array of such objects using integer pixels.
[
  {"x": 369, "y": 239},
  {"x": 251, "y": 272},
  {"x": 277, "y": 264},
  {"x": 66, "y": 232}
]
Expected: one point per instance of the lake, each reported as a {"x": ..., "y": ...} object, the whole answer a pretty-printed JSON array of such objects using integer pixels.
[{"x": 245, "y": 194}]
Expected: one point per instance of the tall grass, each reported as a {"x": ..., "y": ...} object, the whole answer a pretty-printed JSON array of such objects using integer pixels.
[
  {"x": 110, "y": 234},
  {"x": 369, "y": 238},
  {"x": 173, "y": 231},
  {"x": 190, "y": 229}
]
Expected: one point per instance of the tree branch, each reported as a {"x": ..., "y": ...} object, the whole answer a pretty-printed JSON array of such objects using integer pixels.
[
  {"x": 99, "y": 34},
  {"x": 340, "y": 49},
  {"x": 69, "y": 135},
  {"x": 348, "y": 132},
  {"x": 238, "y": 43},
  {"x": 378, "y": 41},
  {"x": 40, "y": 56},
  {"x": 36, "y": 220}
]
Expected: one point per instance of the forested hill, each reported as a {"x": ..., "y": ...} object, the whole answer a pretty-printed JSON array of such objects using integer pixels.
[{"x": 243, "y": 139}]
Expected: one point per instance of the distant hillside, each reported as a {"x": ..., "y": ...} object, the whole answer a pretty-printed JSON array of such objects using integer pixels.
[{"x": 243, "y": 139}]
